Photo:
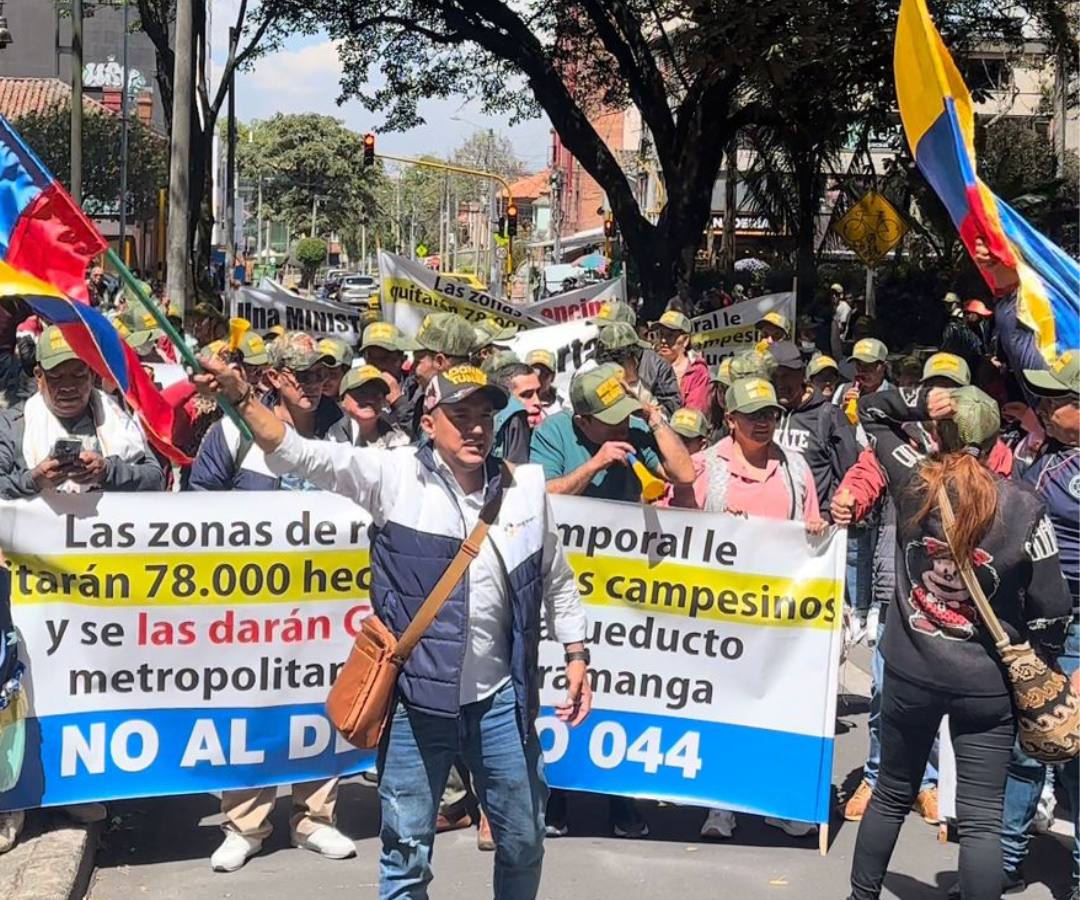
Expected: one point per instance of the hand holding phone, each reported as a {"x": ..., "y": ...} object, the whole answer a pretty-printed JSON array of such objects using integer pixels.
[{"x": 66, "y": 451}]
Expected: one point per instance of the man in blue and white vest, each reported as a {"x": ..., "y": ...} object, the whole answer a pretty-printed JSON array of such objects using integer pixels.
[{"x": 470, "y": 688}]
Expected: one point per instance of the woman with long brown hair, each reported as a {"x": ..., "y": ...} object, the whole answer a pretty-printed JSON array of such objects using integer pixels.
[{"x": 939, "y": 658}]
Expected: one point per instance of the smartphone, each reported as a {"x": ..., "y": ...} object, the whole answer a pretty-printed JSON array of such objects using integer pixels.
[{"x": 67, "y": 450}]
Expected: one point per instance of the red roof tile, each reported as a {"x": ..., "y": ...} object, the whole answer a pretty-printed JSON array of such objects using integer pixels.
[{"x": 19, "y": 96}]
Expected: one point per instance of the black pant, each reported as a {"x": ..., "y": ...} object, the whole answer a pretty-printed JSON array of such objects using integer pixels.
[{"x": 983, "y": 731}]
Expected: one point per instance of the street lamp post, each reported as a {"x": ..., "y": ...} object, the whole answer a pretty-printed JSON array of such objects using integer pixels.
[{"x": 76, "y": 99}]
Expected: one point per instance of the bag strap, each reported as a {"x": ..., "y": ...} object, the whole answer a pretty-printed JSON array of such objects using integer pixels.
[
  {"x": 967, "y": 574},
  {"x": 469, "y": 550}
]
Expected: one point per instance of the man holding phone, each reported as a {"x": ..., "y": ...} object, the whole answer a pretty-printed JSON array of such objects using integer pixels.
[{"x": 70, "y": 437}]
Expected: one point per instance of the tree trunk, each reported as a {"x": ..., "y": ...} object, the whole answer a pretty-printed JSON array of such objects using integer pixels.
[
  {"x": 731, "y": 206},
  {"x": 806, "y": 188}
]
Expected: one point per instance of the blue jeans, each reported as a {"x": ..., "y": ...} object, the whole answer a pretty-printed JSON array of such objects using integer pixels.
[
  {"x": 1026, "y": 777},
  {"x": 873, "y": 761},
  {"x": 509, "y": 776},
  {"x": 860, "y": 569}
]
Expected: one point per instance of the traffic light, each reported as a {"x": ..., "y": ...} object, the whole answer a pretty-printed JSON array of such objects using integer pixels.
[
  {"x": 511, "y": 220},
  {"x": 609, "y": 225},
  {"x": 369, "y": 149},
  {"x": 502, "y": 226}
]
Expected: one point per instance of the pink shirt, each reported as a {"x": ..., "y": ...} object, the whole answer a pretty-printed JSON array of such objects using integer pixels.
[{"x": 768, "y": 498}]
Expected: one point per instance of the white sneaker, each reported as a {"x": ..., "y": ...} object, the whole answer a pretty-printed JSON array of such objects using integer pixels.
[
  {"x": 86, "y": 813},
  {"x": 234, "y": 851},
  {"x": 326, "y": 841},
  {"x": 720, "y": 824},
  {"x": 1044, "y": 812},
  {"x": 11, "y": 826},
  {"x": 795, "y": 829}
]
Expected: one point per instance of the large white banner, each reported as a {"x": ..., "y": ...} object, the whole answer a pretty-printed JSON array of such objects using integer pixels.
[
  {"x": 270, "y": 304},
  {"x": 727, "y": 331},
  {"x": 582, "y": 303},
  {"x": 410, "y": 291},
  {"x": 179, "y": 643}
]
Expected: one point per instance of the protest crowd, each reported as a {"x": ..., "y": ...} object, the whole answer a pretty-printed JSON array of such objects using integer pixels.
[{"x": 431, "y": 432}]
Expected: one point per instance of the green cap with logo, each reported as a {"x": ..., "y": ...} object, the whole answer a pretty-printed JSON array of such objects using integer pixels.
[
  {"x": 777, "y": 320},
  {"x": 446, "y": 333},
  {"x": 253, "y": 349},
  {"x": 869, "y": 350},
  {"x": 141, "y": 327},
  {"x": 387, "y": 337},
  {"x": 819, "y": 363},
  {"x": 543, "y": 358},
  {"x": 689, "y": 423},
  {"x": 497, "y": 360},
  {"x": 752, "y": 364},
  {"x": 676, "y": 321},
  {"x": 338, "y": 351},
  {"x": 721, "y": 372},
  {"x": 491, "y": 332},
  {"x": 53, "y": 349},
  {"x": 615, "y": 311},
  {"x": 296, "y": 351},
  {"x": 1062, "y": 377},
  {"x": 619, "y": 336},
  {"x": 977, "y": 416},
  {"x": 750, "y": 395},
  {"x": 360, "y": 376},
  {"x": 947, "y": 365},
  {"x": 600, "y": 393}
]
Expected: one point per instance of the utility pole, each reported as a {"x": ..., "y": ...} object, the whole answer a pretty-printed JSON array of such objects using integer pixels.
[
  {"x": 122, "y": 249},
  {"x": 76, "y": 99},
  {"x": 314, "y": 212},
  {"x": 556, "y": 215},
  {"x": 178, "y": 261},
  {"x": 495, "y": 276},
  {"x": 259, "y": 229},
  {"x": 230, "y": 173}
]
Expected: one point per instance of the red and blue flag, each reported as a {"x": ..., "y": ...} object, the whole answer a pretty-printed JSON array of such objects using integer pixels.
[
  {"x": 46, "y": 244},
  {"x": 939, "y": 121}
]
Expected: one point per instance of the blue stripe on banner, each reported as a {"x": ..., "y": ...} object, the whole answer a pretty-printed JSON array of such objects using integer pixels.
[
  {"x": 698, "y": 763},
  {"x": 141, "y": 753}
]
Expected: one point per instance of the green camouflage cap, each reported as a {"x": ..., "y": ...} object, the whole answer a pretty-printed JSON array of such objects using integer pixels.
[
  {"x": 752, "y": 364},
  {"x": 340, "y": 352},
  {"x": 615, "y": 311},
  {"x": 386, "y": 336},
  {"x": 676, "y": 321},
  {"x": 749, "y": 395},
  {"x": 947, "y": 365},
  {"x": 497, "y": 360},
  {"x": 977, "y": 416},
  {"x": 689, "y": 423},
  {"x": 491, "y": 332},
  {"x": 446, "y": 333},
  {"x": 53, "y": 348},
  {"x": 619, "y": 335},
  {"x": 600, "y": 393},
  {"x": 296, "y": 351},
  {"x": 869, "y": 350},
  {"x": 253, "y": 349},
  {"x": 360, "y": 376},
  {"x": 1063, "y": 376},
  {"x": 721, "y": 372}
]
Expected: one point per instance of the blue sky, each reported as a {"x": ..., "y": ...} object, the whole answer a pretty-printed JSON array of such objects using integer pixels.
[{"x": 304, "y": 76}]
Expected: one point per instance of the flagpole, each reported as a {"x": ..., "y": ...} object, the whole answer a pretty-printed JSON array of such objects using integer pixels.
[{"x": 173, "y": 335}]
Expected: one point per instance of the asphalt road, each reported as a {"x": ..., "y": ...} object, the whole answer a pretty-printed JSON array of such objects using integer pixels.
[{"x": 160, "y": 849}]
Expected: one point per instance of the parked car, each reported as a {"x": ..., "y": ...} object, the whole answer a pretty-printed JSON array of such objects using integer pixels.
[{"x": 356, "y": 289}]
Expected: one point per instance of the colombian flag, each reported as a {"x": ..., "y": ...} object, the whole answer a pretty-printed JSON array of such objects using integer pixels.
[
  {"x": 46, "y": 243},
  {"x": 939, "y": 122}
]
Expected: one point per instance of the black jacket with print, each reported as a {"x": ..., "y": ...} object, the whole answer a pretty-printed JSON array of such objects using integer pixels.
[{"x": 934, "y": 636}]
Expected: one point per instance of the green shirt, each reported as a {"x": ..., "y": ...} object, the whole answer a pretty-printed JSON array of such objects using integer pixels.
[{"x": 561, "y": 447}]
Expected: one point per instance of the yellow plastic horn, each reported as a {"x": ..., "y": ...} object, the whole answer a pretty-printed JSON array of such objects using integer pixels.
[
  {"x": 237, "y": 329},
  {"x": 652, "y": 488}
]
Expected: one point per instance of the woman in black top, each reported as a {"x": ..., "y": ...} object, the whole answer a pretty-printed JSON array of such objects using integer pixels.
[{"x": 939, "y": 658}]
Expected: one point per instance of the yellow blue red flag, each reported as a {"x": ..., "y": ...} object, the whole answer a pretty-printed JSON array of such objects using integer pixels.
[{"x": 939, "y": 122}]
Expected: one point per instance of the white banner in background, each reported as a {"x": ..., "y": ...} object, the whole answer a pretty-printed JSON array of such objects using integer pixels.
[
  {"x": 582, "y": 303},
  {"x": 727, "y": 331},
  {"x": 265, "y": 307},
  {"x": 410, "y": 291},
  {"x": 176, "y": 644}
]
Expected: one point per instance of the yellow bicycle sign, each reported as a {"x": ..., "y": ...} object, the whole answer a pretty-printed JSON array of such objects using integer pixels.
[{"x": 871, "y": 228}]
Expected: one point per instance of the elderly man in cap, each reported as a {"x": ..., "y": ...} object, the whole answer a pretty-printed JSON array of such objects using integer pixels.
[
  {"x": 339, "y": 357},
  {"x": 472, "y": 686},
  {"x": 71, "y": 437},
  {"x": 672, "y": 333},
  {"x": 206, "y": 324},
  {"x": 365, "y": 399},
  {"x": 654, "y": 372},
  {"x": 589, "y": 451}
]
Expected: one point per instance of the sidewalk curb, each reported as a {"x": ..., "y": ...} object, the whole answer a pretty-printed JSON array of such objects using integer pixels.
[{"x": 53, "y": 860}]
